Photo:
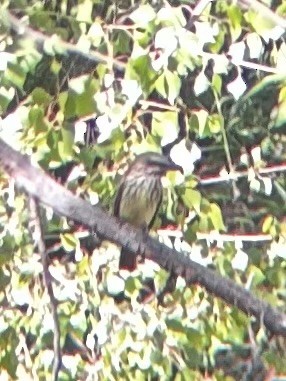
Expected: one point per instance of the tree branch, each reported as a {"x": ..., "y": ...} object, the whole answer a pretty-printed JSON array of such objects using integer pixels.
[
  {"x": 40, "y": 39},
  {"x": 264, "y": 11},
  {"x": 46, "y": 190},
  {"x": 235, "y": 175}
]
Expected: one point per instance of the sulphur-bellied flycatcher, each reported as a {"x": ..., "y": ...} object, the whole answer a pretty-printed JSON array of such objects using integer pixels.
[{"x": 139, "y": 195}]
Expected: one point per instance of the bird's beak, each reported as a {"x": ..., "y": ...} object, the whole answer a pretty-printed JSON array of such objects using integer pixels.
[
  {"x": 163, "y": 163},
  {"x": 175, "y": 167}
]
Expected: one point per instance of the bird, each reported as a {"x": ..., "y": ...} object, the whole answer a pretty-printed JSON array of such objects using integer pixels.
[{"x": 139, "y": 196}]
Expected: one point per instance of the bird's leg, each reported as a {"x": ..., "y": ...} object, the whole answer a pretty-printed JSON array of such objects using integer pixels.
[{"x": 145, "y": 232}]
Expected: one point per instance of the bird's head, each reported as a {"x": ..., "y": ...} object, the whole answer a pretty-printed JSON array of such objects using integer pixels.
[{"x": 154, "y": 164}]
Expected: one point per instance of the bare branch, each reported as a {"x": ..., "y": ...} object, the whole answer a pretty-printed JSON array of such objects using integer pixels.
[
  {"x": 216, "y": 236},
  {"x": 237, "y": 175},
  {"x": 234, "y": 237},
  {"x": 41, "y": 38},
  {"x": 240, "y": 62},
  {"x": 264, "y": 11},
  {"x": 46, "y": 190}
]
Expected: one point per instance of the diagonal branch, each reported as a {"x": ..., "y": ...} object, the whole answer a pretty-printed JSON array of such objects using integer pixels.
[
  {"x": 40, "y": 39},
  {"x": 47, "y": 191},
  {"x": 265, "y": 11}
]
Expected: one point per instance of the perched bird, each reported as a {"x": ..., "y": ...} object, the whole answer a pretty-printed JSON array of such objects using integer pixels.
[{"x": 139, "y": 195}]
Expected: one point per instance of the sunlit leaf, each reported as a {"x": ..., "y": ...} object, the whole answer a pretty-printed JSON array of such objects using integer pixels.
[
  {"x": 216, "y": 217},
  {"x": 192, "y": 199},
  {"x": 68, "y": 241},
  {"x": 143, "y": 15},
  {"x": 201, "y": 83}
]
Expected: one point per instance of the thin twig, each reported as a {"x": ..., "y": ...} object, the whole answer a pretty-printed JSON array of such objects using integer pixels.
[
  {"x": 255, "y": 66},
  {"x": 225, "y": 141},
  {"x": 159, "y": 105},
  {"x": 213, "y": 236},
  {"x": 38, "y": 236},
  {"x": 42, "y": 38},
  {"x": 237, "y": 175},
  {"x": 264, "y": 11},
  {"x": 216, "y": 236},
  {"x": 200, "y": 6},
  {"x": 243, "y": 63},
  {"x": 225, "y": 144}
]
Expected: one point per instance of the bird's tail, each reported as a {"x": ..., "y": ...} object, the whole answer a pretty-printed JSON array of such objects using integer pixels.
[{"x": 127, "y": 261}]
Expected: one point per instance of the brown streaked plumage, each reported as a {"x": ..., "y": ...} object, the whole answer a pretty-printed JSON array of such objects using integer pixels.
[{"x": 139, "y": 195}]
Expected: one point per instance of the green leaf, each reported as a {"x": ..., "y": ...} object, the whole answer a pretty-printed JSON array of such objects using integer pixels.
[
  {"x": 165, "y": 124},
  {"x": 214, "y": 123},
  {"x": 235, "y": 21},
  {"x": 192, "y": 199},
  {"x": 280, "y": 115},
  {"x": 131, "y": 285},
  {"x": 256, "y": 275},
  {"x": 140, "y": 69},
  {"x": 122, "y": 43},
  {"x": 6, "y": 96},
  {"x": 168, "y": 85},
  {"x": 143, "y": 15},
  {"x": 37, "y": 121},
  {"x": 175, "y": 325},
  {"x": 9, "y": 361},
  {"x": 5, "y": 256},
  {"x": 254, "y": 43},
  {"x": 217, "y": 83},
  {"x": 41, "y": 97},
  {"x": 65, "y": 147},
  {"x": 201, "y": 83},
  {"x": 68, "y": 241},
  {"x": 202, "y": 116},
  {"x": 189, "y": 43},
  {"x": 7, "y": 249},
  {"x": 216, "y": 217},
  {"x": 15, "y": 74},
  {"x": 161, "y": 85},
  {"x": 267, "y": 224},
  {"x": 259, "y": 23},
  {"x": 84, "y": 11},
  {"x": 5, "y": 278},
  {"x": 81, "y": 100},
  {"x": 173, "y": 85}
]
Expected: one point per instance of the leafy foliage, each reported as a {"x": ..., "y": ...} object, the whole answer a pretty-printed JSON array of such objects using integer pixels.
[{"x": 157, "y": 76}]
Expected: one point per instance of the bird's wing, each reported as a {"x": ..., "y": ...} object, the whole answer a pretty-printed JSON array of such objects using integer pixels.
[
  {"x": 127, "y": 261},
  {"x": 119, "y": 193},
  {"x": 156, "y": 212}
]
